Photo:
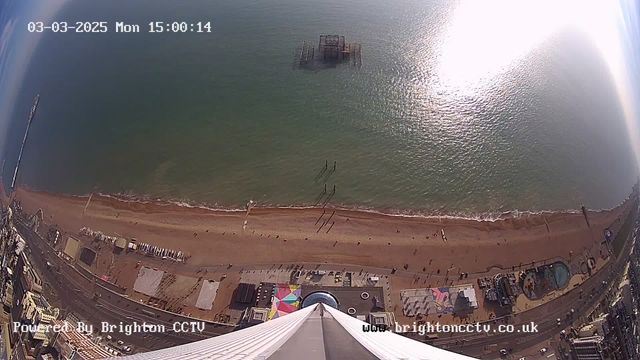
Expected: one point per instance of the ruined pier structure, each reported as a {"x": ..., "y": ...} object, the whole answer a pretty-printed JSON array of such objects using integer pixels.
[{"x": 332, "y": 47}]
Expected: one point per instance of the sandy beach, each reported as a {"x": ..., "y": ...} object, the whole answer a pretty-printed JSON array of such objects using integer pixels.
[{"x": 348, "y": 237}]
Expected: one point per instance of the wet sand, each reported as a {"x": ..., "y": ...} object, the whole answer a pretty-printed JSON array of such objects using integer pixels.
[{"x": 274, "y": 235}]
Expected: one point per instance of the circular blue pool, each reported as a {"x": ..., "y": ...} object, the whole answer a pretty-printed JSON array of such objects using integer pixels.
[{"x": 561, "y": 273}]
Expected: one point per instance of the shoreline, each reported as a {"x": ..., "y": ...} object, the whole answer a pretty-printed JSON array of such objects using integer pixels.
[
  {"x": 278, "y": 235},
  {"x": 173, "y": 205}
]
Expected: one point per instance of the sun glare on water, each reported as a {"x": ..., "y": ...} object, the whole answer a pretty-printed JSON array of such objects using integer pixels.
[{"x": 487, "y": 38}]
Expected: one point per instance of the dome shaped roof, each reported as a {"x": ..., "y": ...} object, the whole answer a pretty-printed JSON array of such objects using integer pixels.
[{"x": 320, "y": 297}]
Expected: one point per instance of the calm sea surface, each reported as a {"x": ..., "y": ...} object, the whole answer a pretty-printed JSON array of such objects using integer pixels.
[{"x": 434, "y": 121}]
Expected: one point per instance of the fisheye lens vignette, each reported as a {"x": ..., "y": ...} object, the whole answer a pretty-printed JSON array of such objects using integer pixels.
[{"x": 322, "y": 180}]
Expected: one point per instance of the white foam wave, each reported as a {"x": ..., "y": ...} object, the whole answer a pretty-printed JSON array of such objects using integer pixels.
[
  {"x": 131, "y": 197},
  {"x": 489, "y": 216}
]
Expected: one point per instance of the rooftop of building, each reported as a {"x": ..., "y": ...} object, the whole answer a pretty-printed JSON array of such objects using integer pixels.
[
  {"x": 85, "y": 347},
  {"x": 587, "y": 340},
  {"x": 39, "y": 301}
]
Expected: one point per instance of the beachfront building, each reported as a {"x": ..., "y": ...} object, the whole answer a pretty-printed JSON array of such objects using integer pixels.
[
  {"x": 601, "y": 325},
  {"x": 385, "y": 319},
  {"x": 457, "y": 299},
  {"x": 70, "y": 343},
  {"x": 36, "y": 219},
  {"x": 504, "y": 289},
  {"x": 588, "y": 348},
  {"x": 315, "y": 332},
  {"x": 36, "y": 311},
  {"x": 26, "y": 285},
  {"x": 256, "y": 315},
  {"x": 623, "y": 335},
  {"x": 467, "y": 299}
]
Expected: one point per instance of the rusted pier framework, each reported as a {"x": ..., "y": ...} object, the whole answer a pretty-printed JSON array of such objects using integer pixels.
[{"x": 331, "y": 48}]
